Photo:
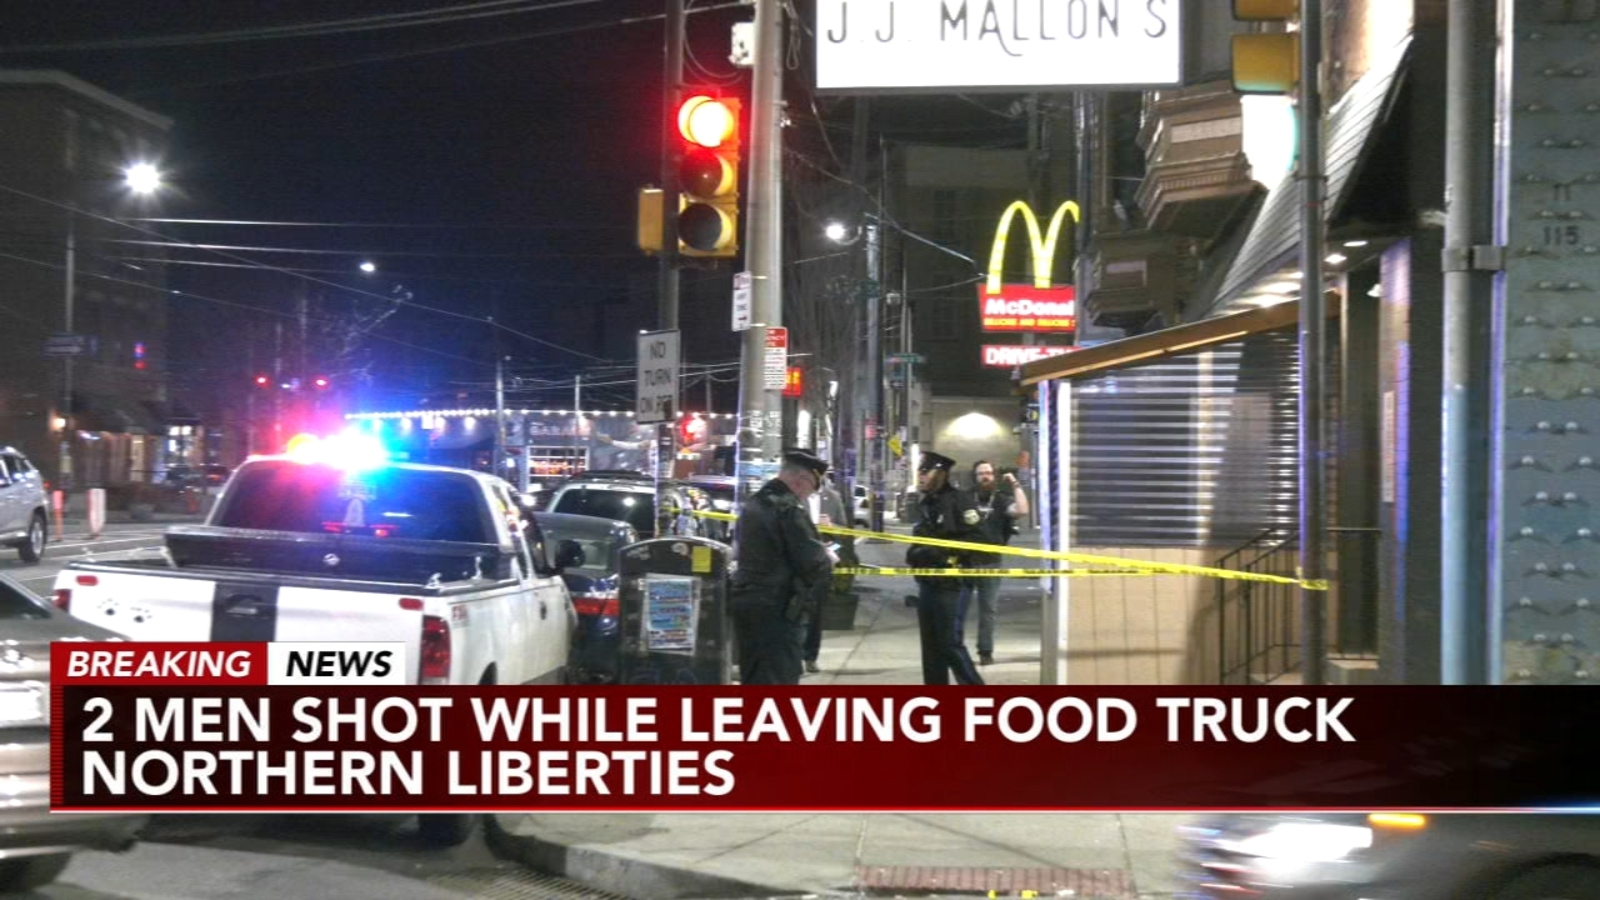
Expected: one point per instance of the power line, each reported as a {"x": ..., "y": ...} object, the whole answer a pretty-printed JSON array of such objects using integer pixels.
[
  {"x": 427, "y": 51},
  {"x": 318, "y": 251},
  {"x": 231, "y": 303},
  {"x": 435, "y": 16},
  {"x": 309, "y": 278},
  {"x": 442, "y": 226}
]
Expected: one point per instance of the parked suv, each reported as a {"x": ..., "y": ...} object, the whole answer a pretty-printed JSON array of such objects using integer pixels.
[
  {"x": 24, "y": 518},
  {"x": 624, "y": 496}
]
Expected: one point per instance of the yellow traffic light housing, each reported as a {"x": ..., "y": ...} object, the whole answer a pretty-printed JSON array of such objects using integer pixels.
[
  {"x": 1266, "y": 62},
  {"x": 651, "y": 203},
  {"x": 708, "y": 176}
]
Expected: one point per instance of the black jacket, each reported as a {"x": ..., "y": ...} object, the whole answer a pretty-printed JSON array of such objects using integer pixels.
[
  {"x": 998, "y": 525},
  {"x": 781, "y": 559},
  {"x": 947, "y": 514}
]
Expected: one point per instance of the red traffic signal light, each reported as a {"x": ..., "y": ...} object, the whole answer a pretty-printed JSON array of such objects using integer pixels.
[
  {"x": 708, "y": 176},
  {"x": 320, "y": 383},
  {"x": 262, "y": 381},
  {"x": 707, "y": 121}
]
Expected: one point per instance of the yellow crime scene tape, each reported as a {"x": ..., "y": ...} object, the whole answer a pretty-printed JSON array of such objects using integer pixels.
[
  {"x": 987, "y": 573},
  {"x": 1127, "y": 566}
]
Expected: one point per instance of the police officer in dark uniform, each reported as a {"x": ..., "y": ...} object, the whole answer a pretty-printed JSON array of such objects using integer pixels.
[
  {"x": 784, "y": 570},
  {"x": 948, "y": 514}
]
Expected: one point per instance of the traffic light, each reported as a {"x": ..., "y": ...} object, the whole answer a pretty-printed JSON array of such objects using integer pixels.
[
  {"x": 1266, "y": 62},
  {"x": 320, "y": 383},
  {"x": 263, "y": 381},
  {"x": 708, "y": 176}
]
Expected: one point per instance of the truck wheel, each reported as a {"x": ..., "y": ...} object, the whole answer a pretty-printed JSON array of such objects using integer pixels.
[
  {"x": 32, "y": 547},
  {"x": 447, "y": 829},
  {"x": 1559, "y": 882},
  {"x": 31, "y": 872}
]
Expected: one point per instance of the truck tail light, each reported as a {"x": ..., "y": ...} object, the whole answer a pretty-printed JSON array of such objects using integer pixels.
[
  {"x": 600, "y": 603},
  {"x": 64, "y": 599},
  {"x": 435, "y": 651}
]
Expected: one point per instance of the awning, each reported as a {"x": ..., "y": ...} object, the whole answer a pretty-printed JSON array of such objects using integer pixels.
[
  {"x": 1190, "y": 338},
  {"x": 1273, "y": 241}
]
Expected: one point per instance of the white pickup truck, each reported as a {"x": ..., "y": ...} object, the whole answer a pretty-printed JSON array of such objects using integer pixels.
[{"x": 438, "y": 559}]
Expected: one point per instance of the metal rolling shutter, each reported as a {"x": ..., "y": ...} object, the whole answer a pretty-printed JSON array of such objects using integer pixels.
[{"x": 1196, "y": 450}]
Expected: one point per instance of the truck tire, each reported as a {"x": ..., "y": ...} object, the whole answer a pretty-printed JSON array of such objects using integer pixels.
[
  {"x": 32, "y": 547},
  {"x": 1556, "y": 882},
  {"x": 446, "y": 829},
  {"x": 29, "y": 872}
]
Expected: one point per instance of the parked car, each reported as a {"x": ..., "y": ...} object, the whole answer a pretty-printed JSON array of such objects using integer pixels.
[
  {"x": 622, "y": 496},
  {"x": 35, "y": 845},
  {"x": 1394, "y": 856},
  {"x": 24, "y": 506},
  {"x": 588, "y": 554},
  {"x": 209, "y": 475}
]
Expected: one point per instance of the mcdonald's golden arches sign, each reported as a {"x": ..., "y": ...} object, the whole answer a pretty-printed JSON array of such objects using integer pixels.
[{"x": 1037, "y": 307}]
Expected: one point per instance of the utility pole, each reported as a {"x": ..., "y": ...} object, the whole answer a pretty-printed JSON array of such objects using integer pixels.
[
  {"x": 497, "y": 464},
  {"x": 1466, "y": 569},
  {"x": 1313, "y": 329},
  {"x": 667, "y": 299},
  {"x": 65, "y": 474},
  {"x": 760, "y": 409},
  {"x": 874, "y": 436},
  {"x": 672, "y": 87}
]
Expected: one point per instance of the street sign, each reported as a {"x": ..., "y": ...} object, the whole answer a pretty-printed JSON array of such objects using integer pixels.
[
  {"x": 66, "y": 345},
  {"x": 777, "y": 362},
  {"x": 870, "y": 46},
  {"x": 915, "y": 358},
  {"x": 658, "y": 377},
  {"x": 895, "y": 446},
  {"x": 741, "y": 301}
]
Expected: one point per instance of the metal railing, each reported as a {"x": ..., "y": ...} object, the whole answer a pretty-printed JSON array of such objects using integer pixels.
[{"x": 1258, "y": 628}]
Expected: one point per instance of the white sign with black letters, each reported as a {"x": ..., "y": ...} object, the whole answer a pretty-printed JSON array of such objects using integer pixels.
[
  {"x": 741, "y": 301},
  {"x": 658, "y": 377},
  {"x": 888, "y": 45}
]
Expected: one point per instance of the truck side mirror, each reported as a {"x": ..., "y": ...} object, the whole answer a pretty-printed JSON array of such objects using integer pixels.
[{"x": 569, "y": 555}]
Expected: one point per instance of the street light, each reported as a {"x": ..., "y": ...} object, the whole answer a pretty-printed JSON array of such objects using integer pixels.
[
  {"x": 143, "y": 178},
  {"x": 368, "y": 266},
  {"x": 836, "y": 232}
]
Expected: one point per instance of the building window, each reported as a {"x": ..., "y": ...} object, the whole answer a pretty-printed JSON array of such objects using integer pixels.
[
  {"x": 944, "y": 216},
  {"x": 942, "y": 320}
]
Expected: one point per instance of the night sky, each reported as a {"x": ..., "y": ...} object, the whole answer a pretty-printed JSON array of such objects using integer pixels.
[{"x": 516, "y": 159}]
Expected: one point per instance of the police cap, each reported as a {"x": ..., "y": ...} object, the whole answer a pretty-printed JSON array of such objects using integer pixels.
[
  {"x": 932, "y": 460},
  {"x": 794, "y": 456}
]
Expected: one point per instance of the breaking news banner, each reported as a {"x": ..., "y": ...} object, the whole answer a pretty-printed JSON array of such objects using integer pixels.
[{"x": 307, "y": 727}]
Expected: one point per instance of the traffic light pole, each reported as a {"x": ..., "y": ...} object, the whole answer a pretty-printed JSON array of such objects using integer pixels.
[
  {"x": 667, "y": 295},
  {"x": 760, "y": 409},
  {"x": 672, "y": 81}
]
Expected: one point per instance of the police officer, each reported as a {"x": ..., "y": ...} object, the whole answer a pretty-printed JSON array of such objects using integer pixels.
[
  {"x": 948, "y": 514},
  {"x": 783, "y": 572}
]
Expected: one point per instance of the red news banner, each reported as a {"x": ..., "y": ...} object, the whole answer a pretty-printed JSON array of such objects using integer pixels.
[{"x": 334, "y": 728}]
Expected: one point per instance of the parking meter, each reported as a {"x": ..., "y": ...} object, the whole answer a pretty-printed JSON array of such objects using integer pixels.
[{"x": 674, "y": 613}]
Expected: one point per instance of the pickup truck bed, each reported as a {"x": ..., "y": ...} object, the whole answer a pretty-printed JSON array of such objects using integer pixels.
[{"x": 467, "y": 612}]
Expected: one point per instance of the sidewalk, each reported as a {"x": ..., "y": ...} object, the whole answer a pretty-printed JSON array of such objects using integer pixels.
[{"x": 1094, "y": 856}]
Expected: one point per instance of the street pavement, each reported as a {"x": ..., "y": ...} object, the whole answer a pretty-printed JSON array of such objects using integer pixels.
[
  {"x": 837, "y": 855},
  {"x": 1092, "y": 856}
]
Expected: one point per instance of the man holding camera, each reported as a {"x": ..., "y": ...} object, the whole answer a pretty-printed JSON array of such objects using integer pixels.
[
  {"x": 946, "y": 514},
  {"x": 1000, "y": 505}
]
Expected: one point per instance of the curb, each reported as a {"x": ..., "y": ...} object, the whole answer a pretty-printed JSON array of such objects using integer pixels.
[{"x": 619, "y": 874}]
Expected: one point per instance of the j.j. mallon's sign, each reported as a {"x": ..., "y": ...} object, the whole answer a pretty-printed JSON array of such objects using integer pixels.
[{"x": 868, "y": 45}]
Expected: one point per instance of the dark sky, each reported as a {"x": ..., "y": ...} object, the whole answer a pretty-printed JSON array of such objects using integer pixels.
[
  {"x": 531, "y": 149},
  {"x": 529, "y": 144}
]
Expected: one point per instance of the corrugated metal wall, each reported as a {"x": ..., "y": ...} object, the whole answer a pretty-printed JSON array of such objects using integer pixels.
[{"x": 1196, "y": 450}]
